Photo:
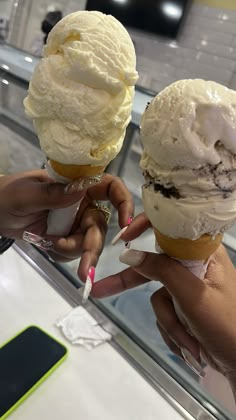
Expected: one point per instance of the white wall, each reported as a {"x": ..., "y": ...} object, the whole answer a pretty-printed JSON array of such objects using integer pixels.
[{"x": 5, "y": 8}]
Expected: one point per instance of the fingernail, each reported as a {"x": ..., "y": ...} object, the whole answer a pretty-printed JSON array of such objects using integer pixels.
[
  {"x": 132, "y": 257},
  {"x": 37, "y": 240},
  {"x": 91, "y": 274},
  {"x": 86, "y": 289},
  {"x": 116, "y": 238},
  {"x": 128, "y": 244},
  {"x": 82, "y": 184},
  {"x": 192, "y": 362},
  {"x": 130, "y": 219}
]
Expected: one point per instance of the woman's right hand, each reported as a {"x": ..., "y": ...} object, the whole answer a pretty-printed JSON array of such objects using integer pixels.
[{"x": 209, "y": 306}]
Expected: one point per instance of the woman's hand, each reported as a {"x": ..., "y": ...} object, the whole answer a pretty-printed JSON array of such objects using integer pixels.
[
  {"x": 89, "y": 229},
  {"x": 26, "y": 198},
  {"x": 209, "y": 306}
]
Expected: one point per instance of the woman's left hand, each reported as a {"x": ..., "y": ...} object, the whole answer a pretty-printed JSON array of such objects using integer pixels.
[
  {"x": 88, "y": 233},
  {"x": 25, "y": 200}
]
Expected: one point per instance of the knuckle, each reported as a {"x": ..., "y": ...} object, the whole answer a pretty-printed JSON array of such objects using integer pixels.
[
  {"x": 172, "y": 346},
  {"x": 159, "y": 298},
  {"x": 156, "y": 298},
  {"x": 171, "y": 327}
]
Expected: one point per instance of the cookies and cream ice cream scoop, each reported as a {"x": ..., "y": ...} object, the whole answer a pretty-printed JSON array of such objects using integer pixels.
[{"x": 189, "y": 162}]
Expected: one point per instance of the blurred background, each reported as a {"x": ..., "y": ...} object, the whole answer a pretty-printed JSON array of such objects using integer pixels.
[{"x": 201, "y": 40}]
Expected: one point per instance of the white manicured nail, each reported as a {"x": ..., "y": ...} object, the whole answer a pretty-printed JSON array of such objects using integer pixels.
[
  {"x": 117, "y": 237},
  {"x": 132, "y": 257},
  {"x": 192, "y": 362},
  {"x": 88, "y": 285}
]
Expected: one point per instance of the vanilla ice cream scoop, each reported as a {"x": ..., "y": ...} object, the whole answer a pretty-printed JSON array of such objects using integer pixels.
[
  {"x": 189, "y": 160},
  {"x": 81, "y": 92}
]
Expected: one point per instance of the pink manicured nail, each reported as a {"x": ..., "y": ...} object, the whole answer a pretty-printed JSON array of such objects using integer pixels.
[
  {"x": 86, "y": 290},
  {"x": 130, "y": 219},
  {"x": 91, "y": 274}
]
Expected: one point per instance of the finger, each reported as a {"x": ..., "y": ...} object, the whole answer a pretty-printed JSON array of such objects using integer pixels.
[
  {"x": 94, "y": 227},
  {"x": 181, "y": 283},
  {"x": 36, "y": 196},
  {"x": 113, "y": 189},
  {"x": 163, "y": 307},
  {"x": 70, "y": 247},
  {"x": 29, "y": 223},
  {"x": 58, "y": 257},
  {"x": 91, "y": 251},
  {"x": 87, "y": 239},
  {"x": 172, "y": 346},
  {"x": 40, "y": 174},
  {"x": 138, "y": 226},
  {"x": 117, "y": 283}
]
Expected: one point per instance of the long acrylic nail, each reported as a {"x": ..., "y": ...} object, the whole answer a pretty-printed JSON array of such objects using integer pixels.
[
  {"x": 192, "y": 362},
  {"x": 82, "y": 184},
  {"x": 132, "y": 257},
  {"x": 128, "y": 244},
  {"x": 86, "y": 289},
  {"x": 37, "y": 240},
  {"x": 116, "y": 238}
]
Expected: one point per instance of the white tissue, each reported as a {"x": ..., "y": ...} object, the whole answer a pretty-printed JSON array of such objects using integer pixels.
[
  {"x": 80, "y": 328},
  {"x": 197, "y": 267}
]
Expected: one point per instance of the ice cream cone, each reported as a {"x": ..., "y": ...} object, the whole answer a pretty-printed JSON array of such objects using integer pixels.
[
  {"x": 187, "y": 249},
  {"x": 76, "y": 171}
]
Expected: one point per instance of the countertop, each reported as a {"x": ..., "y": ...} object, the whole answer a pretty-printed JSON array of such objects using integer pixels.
[{"x": 98, "y": 384}]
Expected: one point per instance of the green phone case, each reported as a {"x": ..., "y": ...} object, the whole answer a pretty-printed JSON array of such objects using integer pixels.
[{"x": 22, "y": 399}]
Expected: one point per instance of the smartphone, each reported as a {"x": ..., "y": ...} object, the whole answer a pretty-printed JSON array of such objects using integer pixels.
[{"x": 25, "y": 361}]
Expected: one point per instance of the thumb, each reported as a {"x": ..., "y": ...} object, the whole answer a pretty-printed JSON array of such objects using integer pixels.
[
  {"x": 38, "y": 196},
  {"x": 186, "y": 288}
]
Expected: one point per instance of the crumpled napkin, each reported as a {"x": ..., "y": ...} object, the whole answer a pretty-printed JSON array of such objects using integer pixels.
[{"x": 80, "y": 328}]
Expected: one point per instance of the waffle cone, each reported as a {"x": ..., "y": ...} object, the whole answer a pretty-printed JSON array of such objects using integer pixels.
[
  {"x": 76, "y": 171},
  {"x": 187, "y": 249}
]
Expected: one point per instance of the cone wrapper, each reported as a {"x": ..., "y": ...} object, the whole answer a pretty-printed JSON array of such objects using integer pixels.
[
  {"x": 199, "y": 269},
  {"x": 60, "y": 221},
  {"x": 196, "y": 252}
]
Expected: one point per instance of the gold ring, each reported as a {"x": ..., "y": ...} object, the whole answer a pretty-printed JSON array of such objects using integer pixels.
[{"x": 103, "y": 208}]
